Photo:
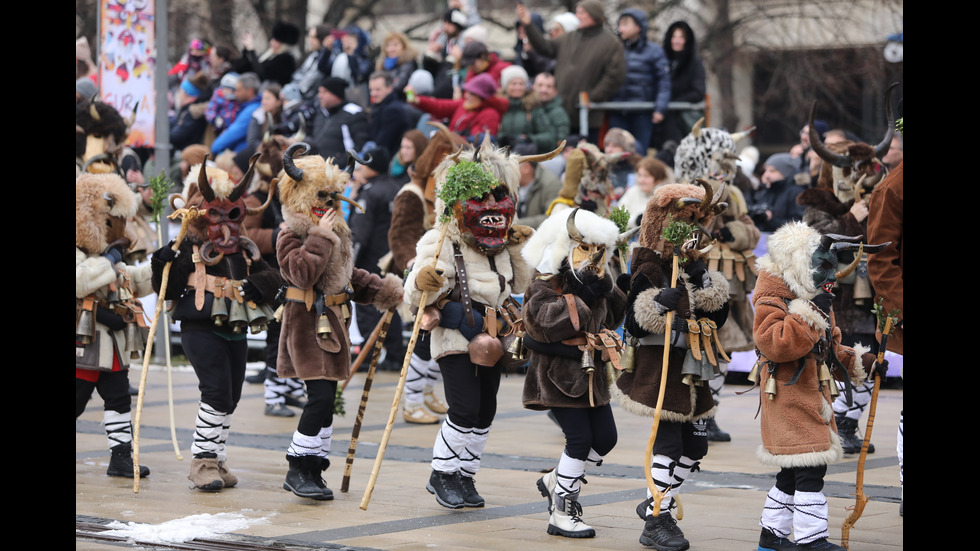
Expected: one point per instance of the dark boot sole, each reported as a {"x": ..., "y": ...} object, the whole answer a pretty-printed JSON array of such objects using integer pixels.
[
  {"x": 545, "y": 493},
  {"x": 319, "y": 496},
  {"x": 650, "y": 543},
  {"x": 439, "y": 500},
  {"x": 215, "y": 486},
  {"x": 125, "y": 474},
  {"x": 474, "y": 504},
  {"x": 556, "y": 531}
]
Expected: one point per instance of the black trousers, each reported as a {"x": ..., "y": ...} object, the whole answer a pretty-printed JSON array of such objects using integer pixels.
[
  {"x": 471, "y": 391},
  {"x": 220, "y": 367},
  {"x": 113, "y": 387},
  {"x": 318, "y": 411},
  {"x": 587, "y": 429},
  {"x": 676, "y": 440},
  {"x": 804, "y": 479}
]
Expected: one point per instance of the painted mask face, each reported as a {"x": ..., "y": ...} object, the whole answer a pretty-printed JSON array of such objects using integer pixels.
[
  {"x": 824, "y": 266},
  {"x": 589, "y": 258},
  {"x": 224, "y": 219},
  {"x": 484, "y": 221}
]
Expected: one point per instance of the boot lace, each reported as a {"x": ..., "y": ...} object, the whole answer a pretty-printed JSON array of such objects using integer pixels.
[{"x": 574, "y": 510}]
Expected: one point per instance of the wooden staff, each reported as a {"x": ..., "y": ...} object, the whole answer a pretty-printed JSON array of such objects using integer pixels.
[
  {"x": 170, "y": 376},
  {"x": 379, "y": 337},
  {"x": 860, "y": 498},
  {"x": 366, "y": 349},
  {"x": 186, "y": 215},
  {"x": 401, "y": 383}
]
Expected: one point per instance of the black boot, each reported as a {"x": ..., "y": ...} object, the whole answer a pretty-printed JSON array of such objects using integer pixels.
[
  {"x": 821, "y": 544},
  {"x": 662, "y": 533},
  {"x": 847, "y": 430},
  {"x": 300, "y": 479},
  {"x": 715, "y": 434},
  {"x": 317, "y": 467},
  {"x": 445, "y": 486},
  {"x": 471, "y": 498},
  {"x": 771, "y": 542},
  {"x": 121, "y": 462}
]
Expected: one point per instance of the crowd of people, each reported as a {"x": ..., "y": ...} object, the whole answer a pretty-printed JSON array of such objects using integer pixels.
[{"x": 333, "y": 186}]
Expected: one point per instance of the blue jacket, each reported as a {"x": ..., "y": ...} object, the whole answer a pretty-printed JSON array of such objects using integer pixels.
[
  {"x": 235, "y": 137},
  {"x": 647, "y": 68}
]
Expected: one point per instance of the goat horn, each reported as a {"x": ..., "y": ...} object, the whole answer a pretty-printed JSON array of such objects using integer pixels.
[
  {"x": 353, "y": 158},
  {"x": 736, "y": 136},
  {"x": 132, "y": 117},
  {"x": 886, "y": 142},
  {"x": 268, "y": 200},
  {"x": 94, "y": 112},
  {"x": 246, "y": 179},
  {"x": 442, "y": 130},
  {"x": 341, "y": 197},
  {"x": 843, "y": 161},
  {"x": 852, "y": 266},
  {"x": 626, "y": 236},
  {"x": 288, "y": 166},
  {"x": 202, "y": 180},
  {"x": 543, "y": 156},
  {"x": 696, "y": 129},
  {"x": 572, "y": 228}
]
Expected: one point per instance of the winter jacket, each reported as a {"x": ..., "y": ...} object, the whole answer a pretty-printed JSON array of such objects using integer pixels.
[
  {"x": 647, "y": 69},
  {"x": 369, "y": 229},
  {"x": 533, "y": 209},
  {"x": 388, "y": 122},
  {"x": 235, "y": 136},
  {"x": 525, "y": 122},
  {"x": 687, "y": 76},
  {"x": 465, "y": 123},
  {"x": 886, "y": 268},
  {"x": 333, "y": 132},
  {"x": 277, "y": 67}
]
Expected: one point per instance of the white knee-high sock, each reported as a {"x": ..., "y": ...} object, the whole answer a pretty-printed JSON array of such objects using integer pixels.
[
  {"x": 207, "y": 431},
  {"x": 810, "y": 516},
  {"x": 449, "y": 446},
  {"x": 118, "y": 427},
  {"x": 777, "y": 515}
]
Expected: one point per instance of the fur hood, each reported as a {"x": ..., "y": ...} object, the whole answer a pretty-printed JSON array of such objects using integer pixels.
[
  {"x": 98, "y": 197},
  {"x": 790, "y": 249},
  {"x": 551, "y": 243},
  {"x": 299, "y": 198}
]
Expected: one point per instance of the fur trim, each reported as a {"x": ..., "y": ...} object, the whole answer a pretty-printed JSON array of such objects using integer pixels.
[
  {"x": 714, "y": 297},
  {"x": 814, "y": 318},
  {"x": 790, "y": 249},
  {"x": 299, "y": 198},
  {"x": 642, "y": 410},
  {"x": 551, "y": 243},
  {"x": 92, "y": 209},
  {"x": 221, "y": 181},
  {"x": 835, "y": 454},
  {"x": 858, "y": 373},
  {"x": 648, "y": 312},
  {"x": 390, "y": 294},
  {"x": 660, "y": 208}
]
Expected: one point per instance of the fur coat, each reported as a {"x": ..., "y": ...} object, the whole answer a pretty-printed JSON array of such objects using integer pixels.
[
  {"x": 557, "y": 380},
  {"x": 637, "y": 391},
  {"x": 323, "y": 261}
]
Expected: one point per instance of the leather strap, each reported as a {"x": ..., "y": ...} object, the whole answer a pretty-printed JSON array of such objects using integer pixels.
[
  {"x": 693, "y": 337},
  {"x": 464, "y": 289},
  {"x": 572, "y": 311}
]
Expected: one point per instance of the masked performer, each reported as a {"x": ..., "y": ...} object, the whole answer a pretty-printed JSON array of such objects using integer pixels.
[
  {"x": 800, "y": 353},
  {"x": 468, "y": 298},
  {"x": 316, "y": 258},
  {"x": 700, "y": 305},
  {"x": 109, "y": 323},
  {"x": 571, "y": 310},
  {"x": 221, "y": 288}
]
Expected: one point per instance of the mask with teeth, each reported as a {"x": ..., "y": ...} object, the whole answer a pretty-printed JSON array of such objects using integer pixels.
[{"x": 484, "y": 221}]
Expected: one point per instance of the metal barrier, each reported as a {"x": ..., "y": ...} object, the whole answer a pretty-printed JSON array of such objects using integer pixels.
[{"x": 584, "y": 107}]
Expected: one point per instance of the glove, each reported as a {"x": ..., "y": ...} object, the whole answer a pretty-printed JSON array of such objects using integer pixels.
[
  {"x": 723, "y": 234},
  {"x": 519, "y": 234},
  {"x": 250, "y": 291},
  {"x": 623, "y": 282},
  {"x": 110, "y": 319},
  {"x": 167, "y": 254},
  {"x": 589, "y": 205},
  {"x": 588, "y": 286},
  {"x": 114, "y": 254},
  {"x": 823, "y": 301},
  {"x": 880, "y": 368},
  {"x": 429, "y": 279},
  {"x": 669, "y": 298},
  {"x": 697, "y": 272}
]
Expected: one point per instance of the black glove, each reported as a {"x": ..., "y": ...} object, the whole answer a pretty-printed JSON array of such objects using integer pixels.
[
  {"x": 250, "y": 291},
  {"x": 623, "y": 282},
  {"x": 669, "y": 298},
  {"x": 589, "y": 205},
  {"x": 594, "y": 288},
  {"x": 823, "y": 301},
  {"x": 697, "y": 272},
  {"x": 880, "y": 368},
  {"x": 723, "y": 234},
  {"x": 166, "y": 254},
  {"x": 110, "y": 319}
]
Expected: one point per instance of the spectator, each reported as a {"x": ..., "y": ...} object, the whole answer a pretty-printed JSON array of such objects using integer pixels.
[
  {"x": 337, "y": 125},
  {"x": 687, "y": 82},
  {"x": 477, "y": 60},
  {"x": 555, "y": 115},
  {"x": 647, "y": 79},
  {"x": 442, "y": 53},
  {"x": 525, "y": 56},
  {"x": 85, "y": 90},
  {"x": 589, "y": 60},
  {"x": 525, "y": 121},
  {"x": 235, "y": 135},
  {"x": 421, "y": 84},
  {"x": 352, "y": 62},
  {"x": 413, "y": 144},
  {"x": 621, "y": 168},
  {"x": 775, "y": 202},
  {"x": 189, "y": 125},
  {"x": 389, "y": 120},
  {"x": 296, "y": 113},
  {"x": 308, "y": 75},
  {"x": 278, "y": 62},
  {"x": 266, "y": 117},
  {"x": 650, "y": 173},
  {"x": 194, "y": 61},
  {"x": 220, "y": 59},
  {"x": 469, "y": 116},
  {"x": 562, "y": 23},
  {"x": 399, "y": 59},
  {"x": 222, "y": 108},
  {"x": 896, "y": 153},
  {"x": 538, "y": 188}
]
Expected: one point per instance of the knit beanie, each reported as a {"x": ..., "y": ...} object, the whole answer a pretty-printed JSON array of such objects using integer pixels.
[
  {"x": 567, "y": 20},
  {"x": 594, "y": 8},
  {"x": 421, "y": 81},
  {"x": 86, "y": 88},
  {"x": 456, "y": 17},
  {"x": 335, "y": 85},
  {"x": 784, "y": 163},
  {"x": 482, "y": 85},
  {"x": 510, "y": 73}
]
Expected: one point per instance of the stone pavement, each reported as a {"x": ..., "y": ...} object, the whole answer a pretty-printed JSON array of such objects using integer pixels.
[{"x": 721, "y": 503}]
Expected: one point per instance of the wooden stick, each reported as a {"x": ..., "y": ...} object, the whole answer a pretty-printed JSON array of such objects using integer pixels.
[
  {"x": 185, "y": 215},
  {"x": 379, "y": 337},
  {"x": 366, "y": 349},
  {"x": 170, "y": 376},
  {"x": 860, "y": 498},
  {"x": 648, "y": 459},
  {"x": 401, "y": 383}
]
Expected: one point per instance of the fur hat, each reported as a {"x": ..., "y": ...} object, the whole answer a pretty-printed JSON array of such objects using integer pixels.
[
  {"x": 194, "y": 154},
  {"x": 551, "y": 244},
  {"x": 482, "y": 85},
  {"x": 97, "y": 197},
  {"x": 567, "y": 20},
  {"x": 510, "y": 73},
  {"x": 287, "y": 33},
  {"x": 788, "y": 256},
  {"x": 661, "y": 208},
  {"x": 336, "y": 86}
]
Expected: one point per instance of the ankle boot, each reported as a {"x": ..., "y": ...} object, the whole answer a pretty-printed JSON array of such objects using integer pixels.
[
  {"x": 204, "y": 472},
  {"x": 471, "y": 498},
  {"x": 121, "y": 462},
  {"x": 771, "y": 542},
  {"x": 227, "y": 478},
  {"x": 301, "y": 479},
  {"x": 445, "y": 486},
  {"x": 566, "y": 518},
  {"x": 820, "y": 544},
  {"x": 546, "y": 485},
  {"x": 662, "y": 533},
  {"x": 715, "y": 434},
  {"x": 317, "y": 467},
  {"x": 847, "y": 430}
]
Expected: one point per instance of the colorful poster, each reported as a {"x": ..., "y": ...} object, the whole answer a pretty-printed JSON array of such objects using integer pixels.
[{"x": 126, "y": 64}]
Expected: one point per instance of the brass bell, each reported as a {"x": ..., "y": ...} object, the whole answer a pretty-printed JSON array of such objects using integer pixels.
[
  {"x": 135, "y": 342},
  {"x": 85, "y": 328},
  {"x": 628, "y": 358},
  {"x": 753, "y": 376},
  {"x": 516, "y": 348},
  {"x": 771, "y": 388},
  {"x": 279, "y": 312},
  {"x": 257, "y": 320},
  {"x": 237, "y": 318},
  {"x": 219, "y": 311},
  {"x": 588, "y": 362},
  {"x": 323, "y": 326}
]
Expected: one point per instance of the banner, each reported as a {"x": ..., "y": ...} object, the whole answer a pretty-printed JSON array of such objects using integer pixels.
[{"x": 127, "y": 51}]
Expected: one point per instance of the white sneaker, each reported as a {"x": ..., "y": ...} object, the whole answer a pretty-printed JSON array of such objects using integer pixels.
[{"x": 418, "y": 415}]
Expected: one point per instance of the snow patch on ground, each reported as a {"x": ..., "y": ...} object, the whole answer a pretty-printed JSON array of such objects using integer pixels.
[{"x": 184, "y": 529}]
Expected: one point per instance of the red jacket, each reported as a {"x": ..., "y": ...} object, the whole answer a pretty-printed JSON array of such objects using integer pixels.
[
  {"x": 463, "y": 122},
  {"x": 496, "y": 66}
]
